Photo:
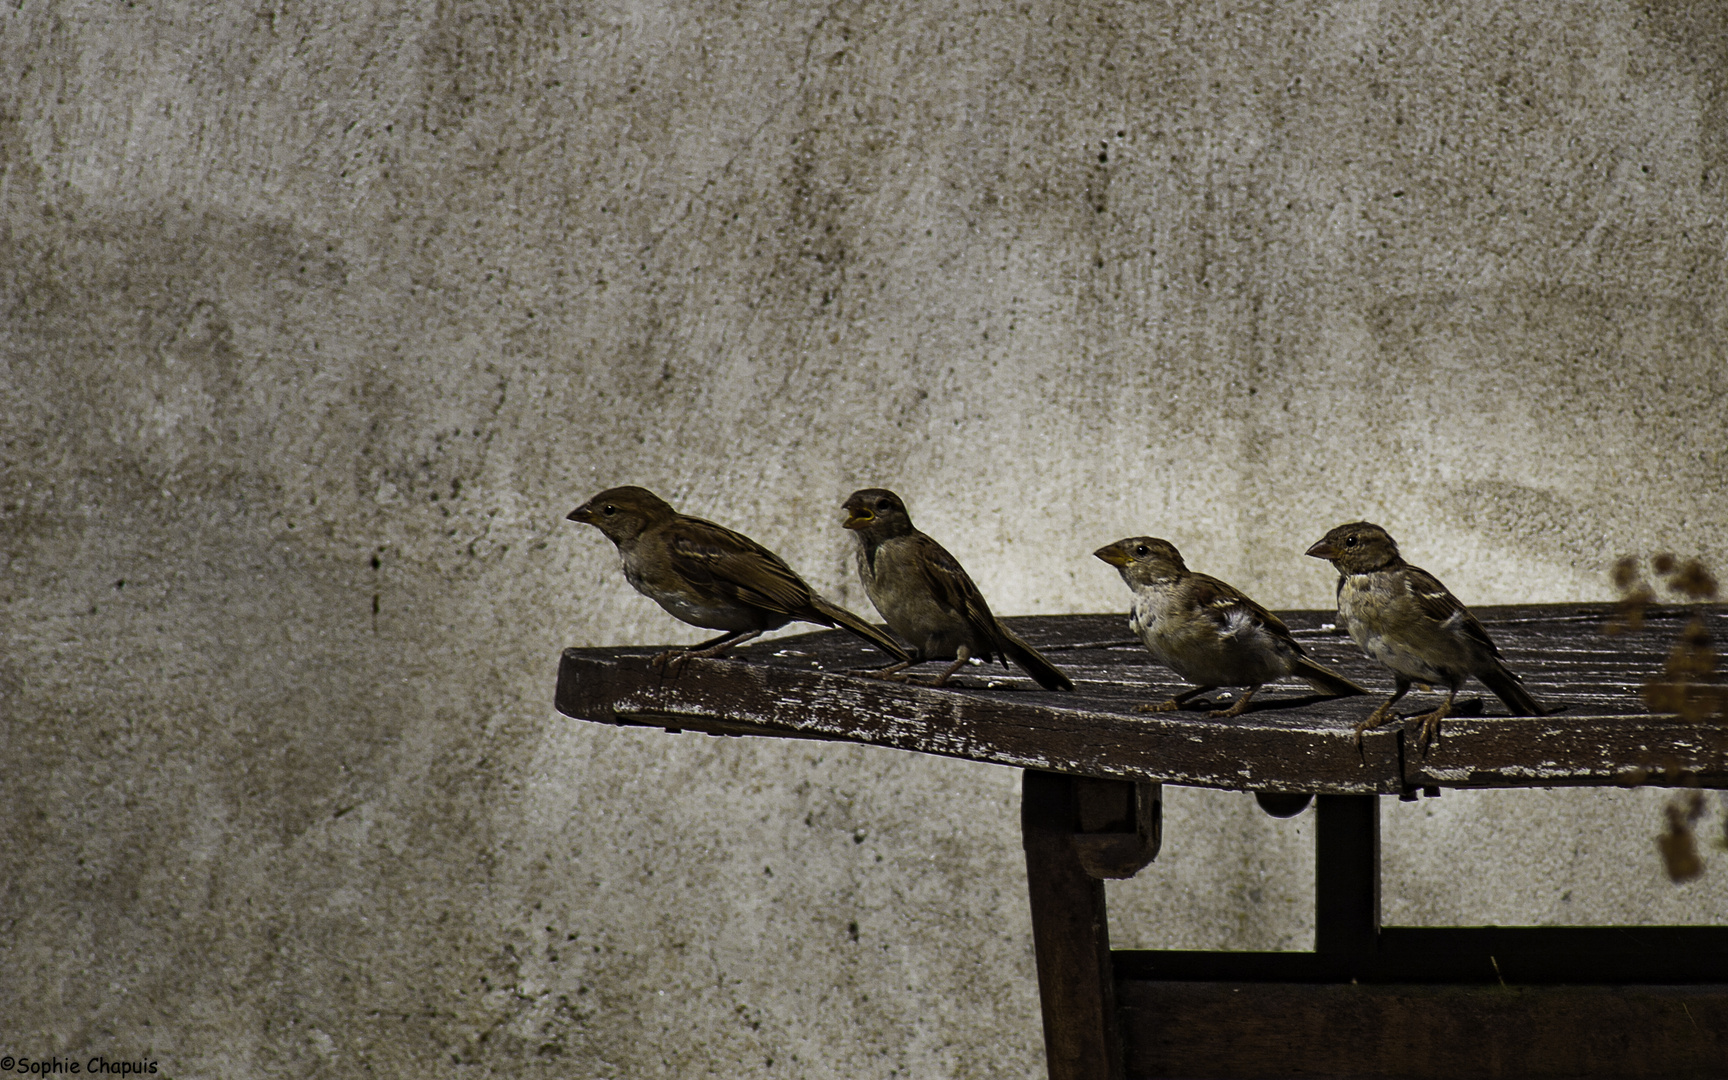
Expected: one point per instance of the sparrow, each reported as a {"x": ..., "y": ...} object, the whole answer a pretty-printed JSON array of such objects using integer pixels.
[
  {"x": 1208, "y": 631},
  {"x": 710, "y": 576},
  {"x": 1401, "y": 616},
  {"x": 927, "y": 598}
]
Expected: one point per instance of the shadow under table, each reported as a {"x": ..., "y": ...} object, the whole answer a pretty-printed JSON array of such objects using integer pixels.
[{"x": 1369, "y": 1000}]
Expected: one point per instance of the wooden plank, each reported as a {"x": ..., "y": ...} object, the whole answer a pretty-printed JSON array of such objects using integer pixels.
[
  {"x": 1019, "y": 728},
  {"x": 1552, "y": 954},
  {"x": 1288, "y": 741},
  {"x": 1270, "y": 1030},
  {"x": 1560, "y": 750},
  {"x": 1463, "y": 954}
]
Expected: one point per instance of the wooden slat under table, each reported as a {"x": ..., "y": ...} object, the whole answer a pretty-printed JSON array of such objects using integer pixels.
[{"x": 1369, "y": 1001}]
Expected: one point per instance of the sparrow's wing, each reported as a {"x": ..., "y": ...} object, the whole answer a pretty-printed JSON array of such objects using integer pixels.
[
  {"x": 1435, "y": 602},
  {"x": 955, "y": 591},
  {"x": 950, "y": 585},
  {"x": 1224, "y": 604},
  {"x": 732, "y": 566}
]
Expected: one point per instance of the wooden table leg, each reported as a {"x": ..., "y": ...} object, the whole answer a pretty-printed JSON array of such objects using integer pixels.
[
  {"x": 1347, "y": 883},
  {"x": 1070, "y": 825}
]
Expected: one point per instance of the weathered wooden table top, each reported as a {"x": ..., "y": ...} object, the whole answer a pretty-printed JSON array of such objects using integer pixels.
[{"x": 1289, "y": 740}]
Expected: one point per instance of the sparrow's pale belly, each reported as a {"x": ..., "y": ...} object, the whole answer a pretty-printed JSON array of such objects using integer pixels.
[
  {"x": 1355, "y": 606},
  {"x": 714, "y": 618},
  {"x": 1200, "y": 656},
  {"x": 681, "y": 604},
  {"x": 1398, "y": 660}
]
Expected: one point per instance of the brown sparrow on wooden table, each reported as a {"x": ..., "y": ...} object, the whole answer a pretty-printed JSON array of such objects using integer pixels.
[
  {"x": 927, "y": 598},
  {"x": 710, "y": 576},
  {"x": 1206, "y": 630},
  {"x": 1403, "y": 617}
]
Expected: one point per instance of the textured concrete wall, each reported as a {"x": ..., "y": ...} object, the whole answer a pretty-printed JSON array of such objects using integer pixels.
[{"x": 318, "y": 317}]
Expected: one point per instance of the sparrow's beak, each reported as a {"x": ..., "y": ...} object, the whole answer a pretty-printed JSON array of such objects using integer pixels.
[
  {"x": 1114, "y": 555},
  {"x": 858, "y": 519},
  {"x": 1323, "y": 550},
  {"x": 581, "y": 513}
]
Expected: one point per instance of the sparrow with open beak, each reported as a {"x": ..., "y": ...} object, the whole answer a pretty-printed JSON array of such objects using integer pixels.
[
  {"x": 1404, "y": 618},
  {"x": 710, "y": 576},
  {"x": 927, "y": 597},
  {"x": 1208, "y": 631}
]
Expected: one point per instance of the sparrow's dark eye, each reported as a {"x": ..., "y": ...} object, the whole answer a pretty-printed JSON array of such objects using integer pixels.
[
  {"x": 1141, "y": 550},
  {"x": 1349, "y": 541},
  {"x": 884, "y": 504},
  {"x": 608, "y": 509}
]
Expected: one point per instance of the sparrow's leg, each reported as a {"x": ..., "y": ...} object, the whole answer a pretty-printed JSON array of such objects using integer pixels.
[
  {"x": 893, "y": 672},
  {"x": 897, "y": 672},
  {"x": 1237, "y": 709},
  {"x": 1176, "y": 702},
  {"x": 675, "y": 659},
  {"x": 961, "y": 655},
  {"x": 1381, "y": 715},
  {"x": 1431, "y": 721}
]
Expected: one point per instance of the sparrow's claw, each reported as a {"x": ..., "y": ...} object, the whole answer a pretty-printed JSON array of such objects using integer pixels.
[
  {"x": 1237, "y": 709},
  {"x": 671, "y": 662},
  {"x": 891, "y": 673},
  {"x": 1376, "y": 718},
  {"x": 1430, "y": 731},
  {"x": 1431, "y": 725}
]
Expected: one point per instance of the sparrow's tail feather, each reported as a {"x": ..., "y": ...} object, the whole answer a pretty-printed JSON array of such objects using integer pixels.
[
  {"x": 1325, "y": 680},
  {"x": 835, "y": 615},
  {"x": 1043, "y": 672},
  {"x": 1508, "y": 689}
]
